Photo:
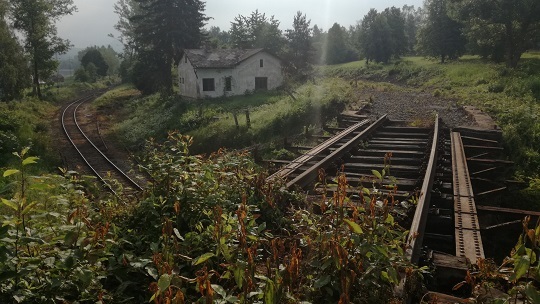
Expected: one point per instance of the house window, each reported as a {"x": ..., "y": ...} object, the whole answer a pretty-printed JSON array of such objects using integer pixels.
[
  {"x": 228, "y": 84},
  {"x": 208, "y": 84},
  {"x": 261, "y": 63},
  {"x": 261, "y": 83}
]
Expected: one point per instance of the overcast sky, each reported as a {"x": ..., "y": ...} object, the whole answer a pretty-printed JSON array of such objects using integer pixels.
[{"x": 95, "y": 18}]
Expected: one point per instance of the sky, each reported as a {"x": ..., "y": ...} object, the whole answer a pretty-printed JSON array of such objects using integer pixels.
[{"x": 95, "y": 19}]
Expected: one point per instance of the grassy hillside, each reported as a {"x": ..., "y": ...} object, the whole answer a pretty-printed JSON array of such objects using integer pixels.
[{"x": 272, "y": 115}]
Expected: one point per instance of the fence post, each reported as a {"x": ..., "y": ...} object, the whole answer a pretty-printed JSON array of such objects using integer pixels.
[
  {"x": 248, "y": 121},
  {"x": 235, "y": 119}
]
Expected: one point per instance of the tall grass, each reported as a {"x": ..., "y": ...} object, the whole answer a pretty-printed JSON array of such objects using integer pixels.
[{"x": 272, "y": 115}]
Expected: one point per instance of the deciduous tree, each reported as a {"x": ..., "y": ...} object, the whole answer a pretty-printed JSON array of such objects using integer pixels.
[
  {"x": 440, "y": 36},
  {"x": 93, "y": 56},
  {"x": 514, "y": 24},
  {"x": 14, "y": 73},
  {"x": 35, "y": 20}
]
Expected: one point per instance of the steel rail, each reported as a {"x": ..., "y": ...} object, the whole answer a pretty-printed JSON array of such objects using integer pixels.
[
  {"x": 416, "y": 233},
  {"x": 118, "y": 170},
  {"x": 315, "y": 151},
  {"x": 310, "y": 174}
]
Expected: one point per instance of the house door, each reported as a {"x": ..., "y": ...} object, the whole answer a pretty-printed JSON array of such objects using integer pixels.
[{"x": 261, "y": 83}]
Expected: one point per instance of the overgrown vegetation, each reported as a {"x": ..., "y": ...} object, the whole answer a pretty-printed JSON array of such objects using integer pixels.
[
  {"x": 206, "y": 230},
  {"x": 272, "y": 115}
]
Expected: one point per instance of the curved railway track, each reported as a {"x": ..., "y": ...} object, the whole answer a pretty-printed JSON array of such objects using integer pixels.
[{"x": 92, "y": 156}]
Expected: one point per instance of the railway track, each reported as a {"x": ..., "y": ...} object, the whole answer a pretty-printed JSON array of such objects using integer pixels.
[
  {"x": 95, "y": 159},
  {"x": 448, "y": 170}
]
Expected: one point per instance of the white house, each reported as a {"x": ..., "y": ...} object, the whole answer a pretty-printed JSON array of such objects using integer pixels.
[{"x": 213, "y": 73}]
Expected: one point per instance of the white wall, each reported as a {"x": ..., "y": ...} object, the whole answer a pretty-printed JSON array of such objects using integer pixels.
[
  {"x": 189, "y": 85},
  {"x": 243, "y": 77}
]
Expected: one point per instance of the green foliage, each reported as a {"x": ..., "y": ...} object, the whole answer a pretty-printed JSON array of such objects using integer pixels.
[
  {"x": 224, "y": 236},
  {"x": 382, "y": 35},
  {"x": 440, "y": 36},
  {"x": 36, "y": 22},
  {"x": 14, "y": 73},
  {"x": 25, "y": 124},
  {"x": 161, "y": 30},
  {"x": 94, "y": 57},
  {"x": 500, "y": 27},
  {"x": 337, "y": 46},
  {"x": 300, "y": 51},
  {"x": 257, "y": 31},
  {"x": 272, "y": 116},
  {"x": 206, "y": 229},
  {"x": 517, "y": 277}
]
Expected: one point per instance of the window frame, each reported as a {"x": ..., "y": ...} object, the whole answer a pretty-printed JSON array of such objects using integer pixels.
[
  {"x": 207, "y": 86},
  {"x": 228, "y": 84},
  {"x": 258, "y": 83}
]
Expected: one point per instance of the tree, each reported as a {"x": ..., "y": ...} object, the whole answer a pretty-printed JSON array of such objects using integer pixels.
[
  {"x": 126, "y": 10},
  {"x": 413, "y": 18},
  {"x": 14, "y": 73},
  {"x": 94, "y": 57},
  {"x": 217, "y": 38},
  {"x": 257, "y": 31},
  {"x": 336, "y": 49},
  {"x": 300, "y": 50},
  {"x": 162, "y": 29},
  {"x": 35, "y": 20},
  {"x": 396, "y": 24},
  {"x": 368, "y": 35},
  {"x": 440, "y": 36},
  {"x": 382, "y": 35},
  {"x": 512, "y": 25},
  {"x": 318, "y": 41}
]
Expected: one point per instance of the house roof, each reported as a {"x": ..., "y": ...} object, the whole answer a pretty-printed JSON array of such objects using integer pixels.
[{"x": 218, "y": 58}]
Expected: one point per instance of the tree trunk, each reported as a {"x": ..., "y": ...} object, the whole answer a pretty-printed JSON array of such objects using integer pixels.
[
  {"x": 37, "y": 88},
  {"x": 510, "y": 46}
]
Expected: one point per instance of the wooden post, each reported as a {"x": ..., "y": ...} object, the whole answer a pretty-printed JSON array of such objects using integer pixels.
[
  {"x": 235, "y": 119},
  {"x": 248, "y": 121}
]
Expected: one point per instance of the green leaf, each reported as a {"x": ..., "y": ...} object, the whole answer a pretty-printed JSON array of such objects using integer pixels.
[
  {"x": 164, "y": 282},
  {"x": 532, "y": 293},
  {"x": 85, "y": 277},
  {"x": 366, "y": 191},
  {"x": 220, "y": 291},
  {"x": 69, "y": 262},
  {"x": 203, "y": 258},
  {"x": 10, "y": 172},
  {"x": 10, "y": 204},
  {"x": 393, "y": 275},
  {"x": 377, "y": 174},
  {"x": 6, "y": 275},
  {"x": 389, "y": 219},
  {"x": 269, "y": 292},
  {"x": 521, "y": 265},
  {"x": 70, "y": 238},
  {"x": 322, "y": 281},
  {"x": 353, "y": 226},
  {"x": 29, "y": 207},
  {"x": 30, "y": 160}
]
